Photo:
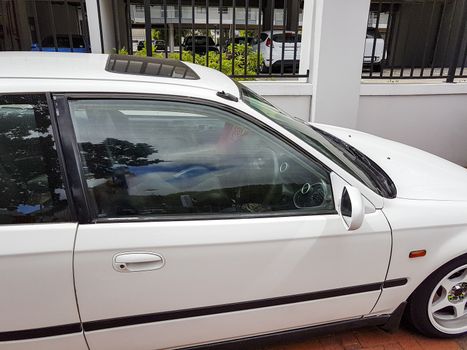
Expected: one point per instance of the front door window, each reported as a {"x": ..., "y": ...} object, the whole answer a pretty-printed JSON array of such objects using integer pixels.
[{"x": 147, "y": 158}]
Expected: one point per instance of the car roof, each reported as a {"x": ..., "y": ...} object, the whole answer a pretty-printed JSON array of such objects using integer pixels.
[{"x": 87, "y": 66}]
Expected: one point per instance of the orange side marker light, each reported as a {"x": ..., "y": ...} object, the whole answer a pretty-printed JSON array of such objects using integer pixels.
[{"x": 417, "y": 253}]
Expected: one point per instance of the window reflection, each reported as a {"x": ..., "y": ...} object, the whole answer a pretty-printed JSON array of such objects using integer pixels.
[
  {"x": 155, "y": 157},
  {"x": 31, "y": 187}
]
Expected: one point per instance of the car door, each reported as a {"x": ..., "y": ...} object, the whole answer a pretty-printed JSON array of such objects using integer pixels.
[
  {"x": 37, "y": 232},
  {"x": 205, "y": 226}
]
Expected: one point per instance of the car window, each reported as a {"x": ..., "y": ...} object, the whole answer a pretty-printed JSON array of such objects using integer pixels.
[
  {"x": 264, "y": 36},
  {"x": 31, "y": 186},
  {"x": 287, "y": 38},
  {"x": 146, "y": 158},
  {"x": 199, "y": 41}
]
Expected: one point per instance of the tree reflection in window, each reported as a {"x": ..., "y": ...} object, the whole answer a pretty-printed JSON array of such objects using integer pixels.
[
  {"x": 31, "y": 186},
  {"x": 146, "y": 158}
]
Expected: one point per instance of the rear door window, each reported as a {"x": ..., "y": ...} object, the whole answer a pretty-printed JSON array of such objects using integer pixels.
[{"x": 31, "y": 185}]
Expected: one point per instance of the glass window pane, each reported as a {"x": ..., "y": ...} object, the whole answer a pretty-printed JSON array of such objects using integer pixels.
[
  {"x": 31, "y": 186},
  {"x": 164, "y": 158}
]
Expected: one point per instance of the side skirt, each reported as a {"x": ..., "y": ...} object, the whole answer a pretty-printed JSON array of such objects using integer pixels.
[{"x": 387, "y": 322}]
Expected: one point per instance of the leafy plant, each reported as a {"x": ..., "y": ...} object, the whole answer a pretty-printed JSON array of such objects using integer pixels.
[{"x": 232, "y": 64}]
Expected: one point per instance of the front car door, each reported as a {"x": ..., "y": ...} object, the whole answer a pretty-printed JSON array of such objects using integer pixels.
[{"x": 205, "y": 226}]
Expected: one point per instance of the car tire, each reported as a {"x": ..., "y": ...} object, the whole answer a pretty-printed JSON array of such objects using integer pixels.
[{"x": 437, "y": 308}]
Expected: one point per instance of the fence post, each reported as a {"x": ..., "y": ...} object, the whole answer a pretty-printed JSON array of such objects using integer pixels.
[
  {"x": 306, "y": 49},
  {"x": 458, "y": 44},
  {"x": 148, "y": 27}
]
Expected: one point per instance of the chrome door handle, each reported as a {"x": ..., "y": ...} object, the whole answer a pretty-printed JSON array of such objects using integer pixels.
[{"x": 137, "y": 261}]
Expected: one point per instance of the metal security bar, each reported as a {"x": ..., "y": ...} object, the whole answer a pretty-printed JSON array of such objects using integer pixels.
[
  {"x": 58, "y": 25},
  {"x": 416, "y": 39},
  {"x": 242, "y": 38}
]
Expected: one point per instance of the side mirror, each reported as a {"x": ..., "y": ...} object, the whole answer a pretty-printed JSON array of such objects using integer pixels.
[{"x": 351, "y": 208}]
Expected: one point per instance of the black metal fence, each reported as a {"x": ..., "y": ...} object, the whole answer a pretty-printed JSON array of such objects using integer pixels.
[
  {"x": 242, "y": 38},
  {"x": 44, "y": 25},
  {"x": 417, "y": 39}
]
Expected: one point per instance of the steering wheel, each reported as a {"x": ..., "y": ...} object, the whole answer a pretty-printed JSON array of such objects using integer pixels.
[
  {"x": 310, "y": 195},
  {"x": 266, "y": 161}
]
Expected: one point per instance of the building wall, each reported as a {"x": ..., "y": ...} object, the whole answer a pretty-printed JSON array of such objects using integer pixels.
[{"x": 434, "y": 123}]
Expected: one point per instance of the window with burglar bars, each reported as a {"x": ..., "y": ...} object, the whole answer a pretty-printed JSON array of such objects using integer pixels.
[
  {"x": 242, "y": 38},
  {"x": 43, "y": 25},
  {"x": 417, "y": 39}
]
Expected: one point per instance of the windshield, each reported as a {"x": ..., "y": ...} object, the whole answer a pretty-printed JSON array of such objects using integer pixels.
[{"x": 340, "y": 152}]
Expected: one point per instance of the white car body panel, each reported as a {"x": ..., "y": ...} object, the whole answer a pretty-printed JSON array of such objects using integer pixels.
[
  {"x": 69, "y": 342},
  {"x": 439, "y": 227},
  {"x": 37, "y": 288},
  {"x": 36, "y": 273},
  {"x": 416, "y": 173},
  {"x": 217, "y": 262},
  {"x": 201, "y": 330},
  {"x": 78, "y": 67}
]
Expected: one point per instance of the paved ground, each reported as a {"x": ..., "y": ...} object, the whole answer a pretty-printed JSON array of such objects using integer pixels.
[{"x": 371, "y": 339}]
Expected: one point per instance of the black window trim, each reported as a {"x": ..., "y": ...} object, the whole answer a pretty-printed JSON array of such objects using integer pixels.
[
  {"x": 61, "y": 157},
  {"x": 74, "y": 217},
  {"x": 87, "y": 213}
]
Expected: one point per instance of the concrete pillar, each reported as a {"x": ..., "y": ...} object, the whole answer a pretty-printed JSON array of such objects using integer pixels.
[
  {"x": 101, "y": 26},
  {"x": 94, "y": 26},
  {"x": 338, "y": 45},
  {"x": 171, "y": 37}
]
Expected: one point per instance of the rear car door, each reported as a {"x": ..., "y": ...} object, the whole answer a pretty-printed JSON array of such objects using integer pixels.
[
  {"x": 205, "y": 226},
  {"x": 37, "y": 232}
]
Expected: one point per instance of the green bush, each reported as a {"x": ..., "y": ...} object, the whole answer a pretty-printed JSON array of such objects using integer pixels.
[{"x": 214, "y": 59}]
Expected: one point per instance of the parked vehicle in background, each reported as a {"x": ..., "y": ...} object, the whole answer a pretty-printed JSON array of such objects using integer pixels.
[
  {"x": 278, "y": 48},
  {"x": 157, "y": 204},
  {"x": 373, "y": 39},
  {"x": 201, "y": 43},
  {"x": 158, "y": 45},
  {"x": 135, "y": 44},
  {"x": 63, "y": 44}
]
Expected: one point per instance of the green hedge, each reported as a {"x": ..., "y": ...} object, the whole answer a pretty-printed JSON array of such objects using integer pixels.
[{"x": 214, "y": 59}]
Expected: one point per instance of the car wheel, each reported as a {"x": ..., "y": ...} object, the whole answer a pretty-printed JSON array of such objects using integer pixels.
[{"x": 437, "y": 308}]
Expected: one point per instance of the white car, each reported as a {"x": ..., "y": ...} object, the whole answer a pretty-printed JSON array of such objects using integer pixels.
[
  {"x": 279, "y": 49},
  {"x": 144, "y": 207}
]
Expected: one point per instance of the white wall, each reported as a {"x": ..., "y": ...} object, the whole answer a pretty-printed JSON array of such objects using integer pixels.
[{"x": 436, "y": 123}]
